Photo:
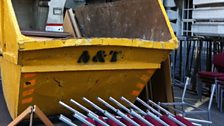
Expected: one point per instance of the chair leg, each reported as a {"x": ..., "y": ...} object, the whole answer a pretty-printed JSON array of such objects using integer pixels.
[
  {"x": 209, "y": 117},
  {"x": 213, "y": 89},
  {"x": 221, "y": 99},
  {"x": 217, "y": 95},
  {"x": 211, "y": 96},
  {"x": 199, "y": 87}
]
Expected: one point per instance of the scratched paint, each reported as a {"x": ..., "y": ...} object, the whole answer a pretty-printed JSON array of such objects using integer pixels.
[{"x": 142, "y": 81}]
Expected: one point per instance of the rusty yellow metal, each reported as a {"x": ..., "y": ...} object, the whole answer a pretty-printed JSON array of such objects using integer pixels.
[{"x": 44, "y": 72}]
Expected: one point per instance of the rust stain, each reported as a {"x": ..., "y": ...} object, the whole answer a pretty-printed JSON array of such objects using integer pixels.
[
  {"x": 144, "y": 77},
  {"x": 135, "y": 93},
  {"x": 140, "y": 85},
  {"x": 28, "y": 92},
  {"x": 30, "y": 75},
  {"x": 27, "y": 100},
  {"x": 149, "y": 71}
]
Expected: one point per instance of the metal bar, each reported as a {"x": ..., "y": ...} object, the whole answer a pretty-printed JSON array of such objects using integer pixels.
[
  {"x": 66, "y": 120},
  {"x": 118, "y": 112},
  {"x": 195, "y": 124},
  {"x": 97, "y": 119},
  {"x": 185, "y": 88},
  {"x": 71, "y": 109},
  {"x": 197, "y": 64},
  {"x": 173, "y": 103},
  {"x": 106, "y": 104},
  {"x": 192, "y": 57},
  {"x": 160, "y": 108},
  {"x": 119, "y": 104},
  {"x": 94, "y": 105},
  {"x": 113, "y": 118},
  {"x": 212, "y": 95},
  {"x": 127, "y": 118},
  {"x": 188, "y": 57},
  {"x": 199, "y": 121},
  {"x": 82, "y": 107},
  {"x": 196, "y": 112},
  {"x": 104, "y": 112},
  {"x": 133, "y": 113},
  {"x": 221, "y": 102},
  {"x": 133, "y": 106},
  {"x": 181, "y": 60},
  {"x": 184, "y": 60},
  {"x": 149, "y": 107},
  {"x": 157, "y": 118},
  {"x": 83, "y": 120}
]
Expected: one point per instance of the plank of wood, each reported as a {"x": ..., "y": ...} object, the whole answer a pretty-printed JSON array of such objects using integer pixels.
[
  {"x": 21, "y": 116},
  {"x": 75, "y": 24},
  {"x": 46, "y": 34},
  {"x": 68, "y": 26},
  {"x": 32, "y": 110},
  {"x": 42, "y": 116}
]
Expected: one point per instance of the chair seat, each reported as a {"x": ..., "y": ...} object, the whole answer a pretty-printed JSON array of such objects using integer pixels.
[
  {"x": 166, "y": 119},
  {"x": 111, "y": 122},
  {"x": 153, "y": 121},
  {"x": 184, "y": 121},
  {"x": 139, "y": 122},
  {"x": 211, "y": 75},
  {"x": 126, "y": 122},
  {"x": 89, "y": 120},
  {"x": 221, "y": 80}
]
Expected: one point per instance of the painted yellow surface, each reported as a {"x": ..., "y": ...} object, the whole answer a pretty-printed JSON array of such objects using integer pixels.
[
  {"x": 10, "y": 84},
  {"x": 1, "y": 10},
  {"x": 44, "y": 72}
]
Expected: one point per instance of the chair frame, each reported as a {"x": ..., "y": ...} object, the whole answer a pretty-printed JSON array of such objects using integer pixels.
[
  {"x": 215, "y": 67},
  {"x": 183, "y": 103}
]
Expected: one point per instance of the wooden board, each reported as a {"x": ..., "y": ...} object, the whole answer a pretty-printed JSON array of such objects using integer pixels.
[
  {"x": 68, "y": 27},
  {"x": 124, "y": 19},
  {"x": 70, "y": 24}
]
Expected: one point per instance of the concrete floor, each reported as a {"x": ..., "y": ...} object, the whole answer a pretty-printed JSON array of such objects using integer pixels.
[
  {"x": 4, "y": 114},
  {"x": 217, "y": 117}
]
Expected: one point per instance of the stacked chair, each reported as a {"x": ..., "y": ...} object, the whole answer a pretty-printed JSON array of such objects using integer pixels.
[
  {"x": 215, "y": 80},
  {"x": 151, "y": 115},
  {"x": 211, "y": 78},
  {"x": 220, "y": 83},
  {"x": 179, "y": 107}
]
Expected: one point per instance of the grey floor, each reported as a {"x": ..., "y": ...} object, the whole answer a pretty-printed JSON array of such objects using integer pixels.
[
  {"x": 217, "y": 117},
  {"x": 4, "y": 114}
]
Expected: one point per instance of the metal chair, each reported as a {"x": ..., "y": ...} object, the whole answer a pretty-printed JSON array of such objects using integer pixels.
[
  {"x": 209, "y": 77},
  {"x": 221, "y": 99},
  {"x": 183, "y": 103},
  {"x": 122, "y": 115},
  {"x": 220, "y": 85}
]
